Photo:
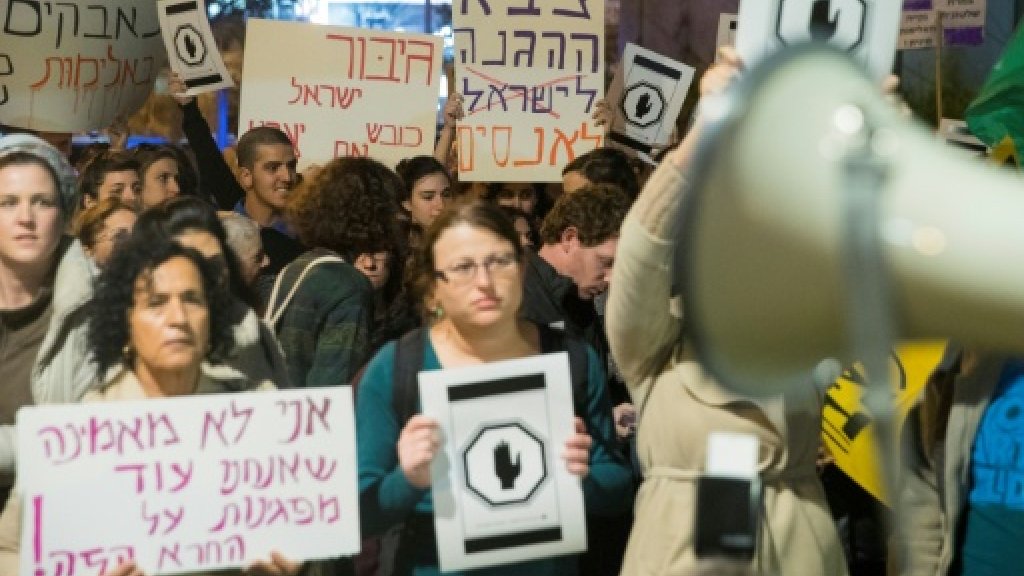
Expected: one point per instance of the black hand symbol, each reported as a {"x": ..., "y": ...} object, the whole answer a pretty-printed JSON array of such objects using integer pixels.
[
  {"x": 504, "y": 469},
  {"x": 191, "y": 47},
  {"x": 643, "y": 106},
  {"x": 822, "y": 29}
]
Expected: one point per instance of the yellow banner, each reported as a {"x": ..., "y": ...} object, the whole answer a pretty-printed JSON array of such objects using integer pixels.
[{"x": 847, "y": 427}]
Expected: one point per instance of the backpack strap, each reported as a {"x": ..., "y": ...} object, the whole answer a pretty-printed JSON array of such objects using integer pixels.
[
  {"x": 556, "y": 340},
  {"x": 405, "y": 381},
  {"x": 273, "y": 315}
]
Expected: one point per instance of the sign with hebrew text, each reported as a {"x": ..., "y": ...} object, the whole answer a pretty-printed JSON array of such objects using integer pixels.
[
  {"x": 531, "y": 73},
  {"x": 339, "y": 91},
  {"x": 187, "y": 484},
  {"x": 74, "y": 65},
  {"x": 962, "y": 23}
]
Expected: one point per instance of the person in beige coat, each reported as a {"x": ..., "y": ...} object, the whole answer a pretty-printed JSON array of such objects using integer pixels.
[{"x": 678, "y": 404}]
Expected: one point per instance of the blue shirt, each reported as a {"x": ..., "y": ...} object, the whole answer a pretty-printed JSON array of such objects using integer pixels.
[
  {"x": 278, "y": 224},
  {"x": 994, "y": 536}
]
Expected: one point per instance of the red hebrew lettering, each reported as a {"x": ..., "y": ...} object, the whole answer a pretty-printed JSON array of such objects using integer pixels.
[
  {"x": 496, "y": 145},
  {"x": 427, "y": 58},
  {"x": 540, "y": 151},
  {"x": 306, "y": 415},
  {"x": 567, "y": 143},
  {"x": 466, "y": 148}
]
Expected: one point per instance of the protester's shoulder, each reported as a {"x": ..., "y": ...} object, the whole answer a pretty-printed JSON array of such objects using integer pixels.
[
  {"x": 379, "y": 372},
  {"x": 333, "y": 277}
]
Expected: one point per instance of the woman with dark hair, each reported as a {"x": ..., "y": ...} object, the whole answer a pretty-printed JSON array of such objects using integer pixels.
[
  {"x": 468, "y": 273},
  {"x": 64, "y": 370},
  {"x": 427, "y": 190},
  {"x": 321, "y": 306},
  {"x": 102, "y": 226},
  {"x": 158, "y": 329},
  {"x": 160, "y": 173},
  {"x": 529, "y": 235}
]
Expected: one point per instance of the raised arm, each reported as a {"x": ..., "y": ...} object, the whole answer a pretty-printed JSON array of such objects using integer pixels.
[{"x": 216, "y": 180}]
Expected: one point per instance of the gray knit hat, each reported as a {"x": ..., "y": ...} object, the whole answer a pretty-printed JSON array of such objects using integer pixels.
[{"x": 53, "y": 157}]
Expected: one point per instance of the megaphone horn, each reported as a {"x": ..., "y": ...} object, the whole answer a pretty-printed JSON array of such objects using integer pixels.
[{"x": 762, "y": 255}]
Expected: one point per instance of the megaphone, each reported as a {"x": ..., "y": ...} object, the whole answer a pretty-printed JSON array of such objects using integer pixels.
[{"x": 762, "y": 258}]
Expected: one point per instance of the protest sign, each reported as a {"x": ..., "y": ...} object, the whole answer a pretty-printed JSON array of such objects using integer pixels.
[
  {"x": 727, "y": 24},
  {"x": 191, "y": 47},
  {"x": 848, "y": 429},
  {"x": 645, "y": 99},
  {"x": 531, "y": 76},
  {"x": 74, "y": 66},
  {"x": 962, "y": 21},
  {"x": 501, "y": 490},
  {"x": 865, "y": 29},
  {"x": 187, "y": 484},
  {"x": 339, "y": 91}
]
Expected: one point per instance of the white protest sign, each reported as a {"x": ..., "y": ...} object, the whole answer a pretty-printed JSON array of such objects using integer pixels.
[
  {"x": 191, "y": 47},
  {"x": 957, "y": 134},
  {"x": 531, "y": 76},
  {"x": 501, "y": 490},
  {"x": 866, "y": 29},
  {"x": 76, "y": 65},
  {"x": 963, "y": 23},
  {"x": 727, "y": 24},
  {"x": 187, "y": 484},
  {"x": 646, "y": 97},
  {"x": 342, "y": 91}
]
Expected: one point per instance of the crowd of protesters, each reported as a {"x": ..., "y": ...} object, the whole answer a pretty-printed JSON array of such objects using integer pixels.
[{"x": 263, "y": 278}]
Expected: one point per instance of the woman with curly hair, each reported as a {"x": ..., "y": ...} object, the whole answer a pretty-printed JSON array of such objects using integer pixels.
[
  {"x": 157, "y": 329},
  {"x": 322, "y": 306}
]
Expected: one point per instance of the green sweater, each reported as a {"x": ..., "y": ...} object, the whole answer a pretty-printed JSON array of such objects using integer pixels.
[{"x": 389, "y": 499}]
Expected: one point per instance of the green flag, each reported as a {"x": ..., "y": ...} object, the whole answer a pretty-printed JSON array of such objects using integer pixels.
[{"x": 996, "y": 116}]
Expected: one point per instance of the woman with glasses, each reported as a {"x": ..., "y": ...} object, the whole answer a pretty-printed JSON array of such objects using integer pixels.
[
  {"x": 102, "y": 226},
  {"x": 468, "y": 274}
]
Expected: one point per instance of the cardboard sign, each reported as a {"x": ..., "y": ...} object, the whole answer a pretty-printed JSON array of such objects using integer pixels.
[
  {"x": 75, "y": 66},
  {"x": 847, "y": 427},
  {"x": 191, "y": 47},
  {"x": 963, "y": 23},
  {"x": 531, "y": 75},
  {"x": 501, "y": 490},
  {"x": 646, "y": 97},
  {"x": 865, "y": 29},
  {"x": 339, "y": 91},
  {"x": 187, "y": 484}
]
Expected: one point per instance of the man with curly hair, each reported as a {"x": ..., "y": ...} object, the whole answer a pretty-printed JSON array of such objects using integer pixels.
[{"x": 322, "y": 306}]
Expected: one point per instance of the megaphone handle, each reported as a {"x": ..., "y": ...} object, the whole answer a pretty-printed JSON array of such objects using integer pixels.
[{"x": 869, "y": 305}]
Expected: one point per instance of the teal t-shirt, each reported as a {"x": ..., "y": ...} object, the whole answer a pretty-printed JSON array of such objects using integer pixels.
[
  {"x": 389, "y": 499},
  {"x": 994, "y": 538}
]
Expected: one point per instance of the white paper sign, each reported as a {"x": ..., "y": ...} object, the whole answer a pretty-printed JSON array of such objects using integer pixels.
[
  {"x": 963, "y": 23},
  {"x": 191, "y": 47},
  {"x": 866, "y": 29},
  {"x": 187, "y": 484},
  {"x": 76, "y": 65},
  {"x": 531, "y": 76},
  {"x": 342, "y": 91},
  {"x": 727, "y": 24},
  {"x": 957, "y": 134},
  {"x": 501, "y": 490},
  {"x": 646, "y": 96}
]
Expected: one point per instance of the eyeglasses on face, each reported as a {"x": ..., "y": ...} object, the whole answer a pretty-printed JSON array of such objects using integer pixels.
[{"x": 465, "y": 271}]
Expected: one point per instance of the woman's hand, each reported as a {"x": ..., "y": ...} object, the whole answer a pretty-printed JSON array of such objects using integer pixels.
[
  {"x": 417, "y": 446},
  {"x": 602, "y": 115},
  {"x": 453, "y": 111},
  {"x": 176, "y": 87},
  {"x": 577, "y": 450},
  {"x": 278, "y": 565},
  {"x": 125, "y": 569}
]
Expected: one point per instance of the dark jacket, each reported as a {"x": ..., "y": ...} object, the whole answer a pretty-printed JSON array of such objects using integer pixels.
[{"x": 325, "y": 330}]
